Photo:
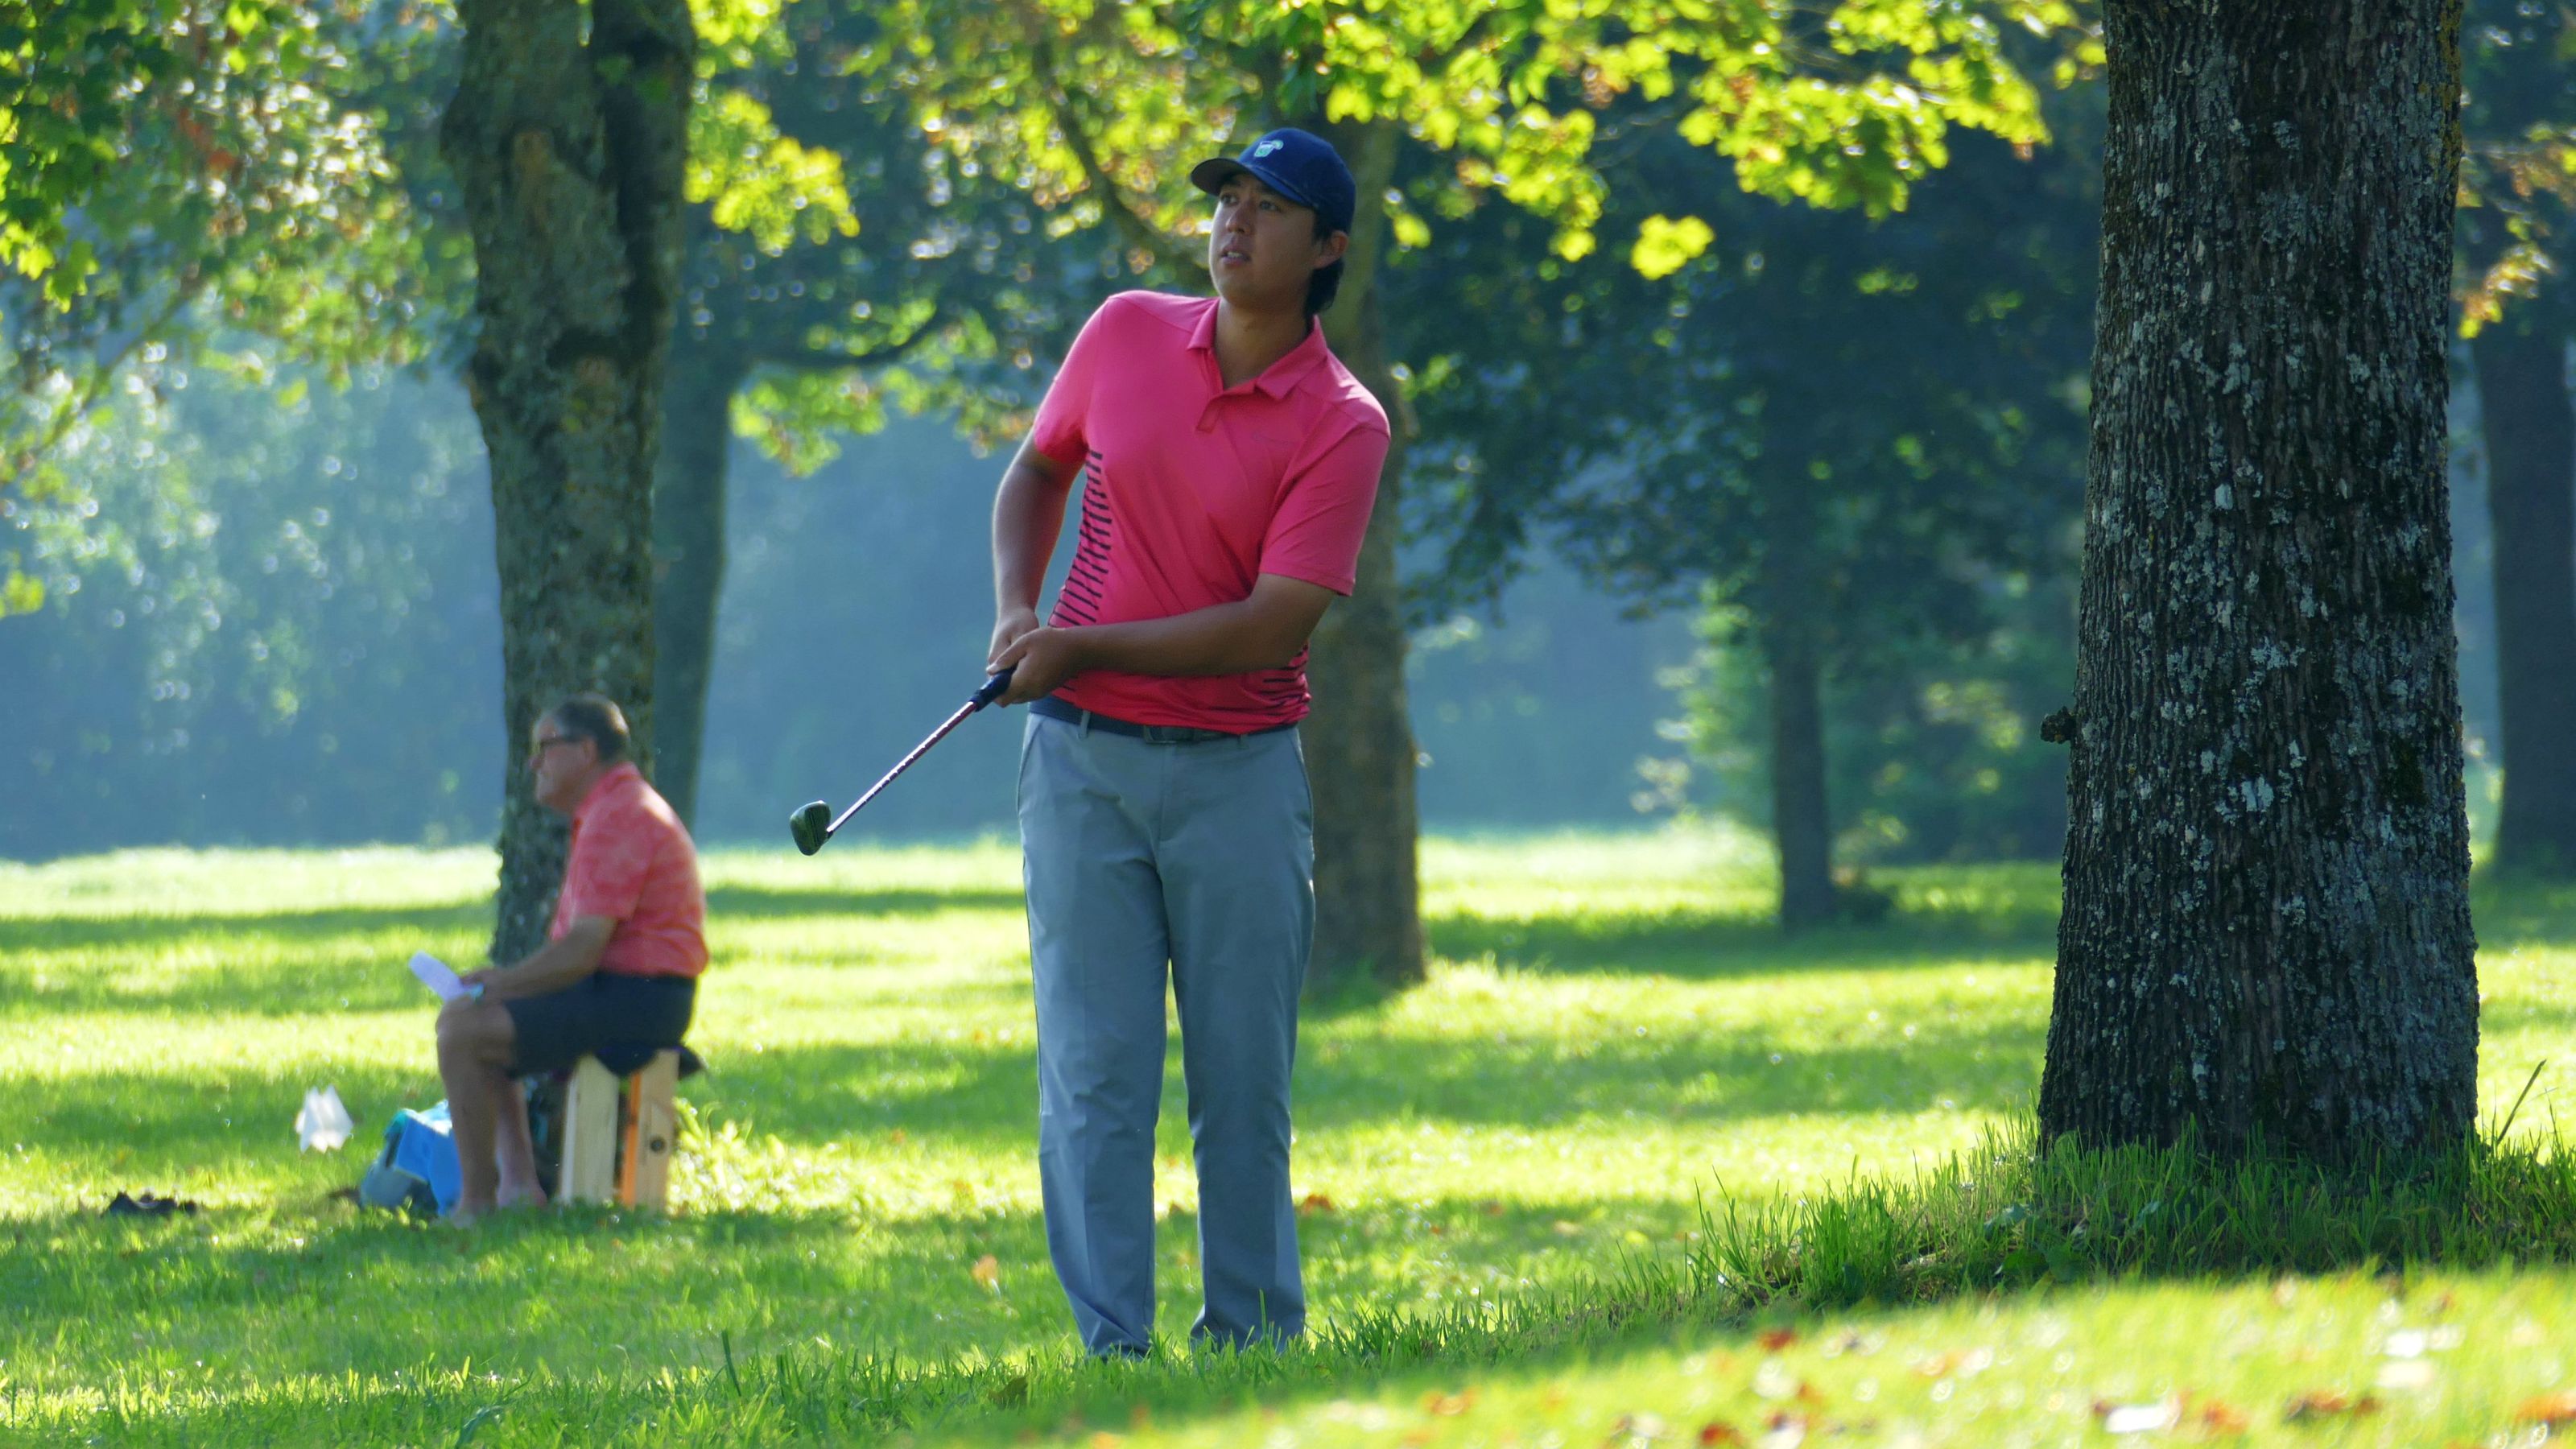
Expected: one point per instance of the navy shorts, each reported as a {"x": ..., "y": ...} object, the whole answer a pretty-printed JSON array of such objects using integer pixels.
[{"x": 602, "y": 1012}]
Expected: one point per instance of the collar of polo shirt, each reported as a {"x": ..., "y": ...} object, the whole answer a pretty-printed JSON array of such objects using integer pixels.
[{"x": 1280, "y": 376}]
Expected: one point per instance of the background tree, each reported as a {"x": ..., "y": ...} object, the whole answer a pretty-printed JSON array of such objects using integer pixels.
[
  {"x": 568, "y": 134},
  {"x": 1850, "y": 439},
  {"x": 2520, "y": 127},
  {"x": 173, "y": 168},
  {"x": 2266, "y": 923},
  {"x": 840, "y": 263}
]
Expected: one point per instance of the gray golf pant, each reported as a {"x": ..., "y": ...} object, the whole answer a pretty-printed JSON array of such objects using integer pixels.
[{"x": 1198, "y": 857}]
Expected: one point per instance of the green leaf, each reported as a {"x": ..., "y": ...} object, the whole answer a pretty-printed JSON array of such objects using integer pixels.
[{"x": 1664, "y": 245}]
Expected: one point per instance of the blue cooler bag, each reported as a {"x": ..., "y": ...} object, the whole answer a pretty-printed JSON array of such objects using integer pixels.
[{"x": 417, "y": 1169}]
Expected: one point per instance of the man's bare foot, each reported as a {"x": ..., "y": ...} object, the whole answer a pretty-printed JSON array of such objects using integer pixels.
[
  {"x": 462, "y": 1216},
  {"x": 531, "y": 1196}
]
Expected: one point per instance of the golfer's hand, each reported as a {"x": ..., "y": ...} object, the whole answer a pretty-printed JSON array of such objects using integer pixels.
[
  {"x": 1041, "y": 660},
  {"x": 1006, "y": 632}
]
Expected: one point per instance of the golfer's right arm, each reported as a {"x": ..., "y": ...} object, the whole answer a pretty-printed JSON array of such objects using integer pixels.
[{"x": 1028, "y": 511}]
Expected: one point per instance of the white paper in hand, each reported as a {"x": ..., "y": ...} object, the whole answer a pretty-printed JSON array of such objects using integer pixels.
[
  {"x": 324, "y": 1123},
  {"x": 437, "y": 975}
]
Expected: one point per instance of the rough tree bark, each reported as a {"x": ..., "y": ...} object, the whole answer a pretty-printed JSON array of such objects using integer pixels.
[
  {"x": 1359, "y": 738},
  {"x": 568, "y": 130},
  {"x": 2266, "y": 930},
  {"x": 689, "y": 494},
  {"x": 2531, "y": 498}
]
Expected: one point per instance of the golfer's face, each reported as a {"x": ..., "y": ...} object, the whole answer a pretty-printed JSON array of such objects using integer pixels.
[
  {"x": 558, "y": 762},
  {"x": 1263, "y": 244}
]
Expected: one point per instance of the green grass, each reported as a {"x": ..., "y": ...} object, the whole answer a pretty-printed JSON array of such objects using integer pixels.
[{"x": 1526, "y": 1177}]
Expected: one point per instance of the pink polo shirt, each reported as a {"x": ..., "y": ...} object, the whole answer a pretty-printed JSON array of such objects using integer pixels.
[
  {"x": 632, "y": 862},
  {"x": 1192, "y": 490}
]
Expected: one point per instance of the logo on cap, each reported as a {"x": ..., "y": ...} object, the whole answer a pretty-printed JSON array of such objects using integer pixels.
[{"x": 1265, "y": 148}]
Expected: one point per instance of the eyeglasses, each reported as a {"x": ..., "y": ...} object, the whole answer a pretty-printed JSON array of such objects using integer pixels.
[{"x": 548, "y": 742}]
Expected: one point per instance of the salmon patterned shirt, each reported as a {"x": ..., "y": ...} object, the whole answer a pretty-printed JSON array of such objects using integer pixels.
[{"x": 632, "y": 861}]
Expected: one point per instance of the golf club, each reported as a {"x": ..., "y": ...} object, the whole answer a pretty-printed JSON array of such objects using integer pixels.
[{"x": 815, "y": 823}]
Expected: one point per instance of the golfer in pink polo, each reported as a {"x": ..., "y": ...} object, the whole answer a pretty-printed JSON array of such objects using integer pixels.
[{"x": 1228, "y": 464}]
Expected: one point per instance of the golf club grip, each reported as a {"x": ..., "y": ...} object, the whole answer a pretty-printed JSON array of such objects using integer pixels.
[{"x": 992, "y": 689}]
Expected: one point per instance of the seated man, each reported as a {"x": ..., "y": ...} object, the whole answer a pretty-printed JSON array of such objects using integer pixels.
[{"x": 620, "y": 966}]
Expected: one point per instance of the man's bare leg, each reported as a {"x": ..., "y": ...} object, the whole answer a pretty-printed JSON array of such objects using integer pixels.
[
  {"x": 475, "y": 1044},
  {"x": 516, "y": 1153}
]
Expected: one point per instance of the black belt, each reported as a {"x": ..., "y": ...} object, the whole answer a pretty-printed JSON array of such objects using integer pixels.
[{"x": 1054, "y": 708}]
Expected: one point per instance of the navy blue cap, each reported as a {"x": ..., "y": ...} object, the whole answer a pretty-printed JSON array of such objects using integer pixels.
[{"x": 1298, "y": 165}]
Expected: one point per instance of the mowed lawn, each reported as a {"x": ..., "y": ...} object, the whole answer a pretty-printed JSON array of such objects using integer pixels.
[{"x": 1613, "y": 1036}]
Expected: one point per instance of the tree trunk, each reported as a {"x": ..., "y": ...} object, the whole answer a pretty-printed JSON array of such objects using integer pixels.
[
  {"x": 1799, "y": 823},
  {"x": 1359, "y": 739},
  {"x": 2531, "y": 497},
  {"x": 2266, "y": 933},
  {"x": 568, "y": 130},
  {"x": 689, "y": 559}
]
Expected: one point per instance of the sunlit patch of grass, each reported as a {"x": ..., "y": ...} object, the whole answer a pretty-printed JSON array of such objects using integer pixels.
[{"x": 1498, "y": 1164}]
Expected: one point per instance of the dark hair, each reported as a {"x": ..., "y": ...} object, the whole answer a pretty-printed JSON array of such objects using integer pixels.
[
  {"x": 596, "y": 718},
  {"x": 1327, "y": 280}
]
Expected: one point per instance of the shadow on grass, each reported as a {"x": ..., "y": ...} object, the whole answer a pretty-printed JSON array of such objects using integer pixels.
[
  {"x": 1709, "y": 944},
  {"x": 2005, "y": 1221},
  {"x": 289, "y": 963},
  {"x": 172, "y": 1118},
  {"x": 578, "y": 1300},
  {"x": 735, "y": 902}
]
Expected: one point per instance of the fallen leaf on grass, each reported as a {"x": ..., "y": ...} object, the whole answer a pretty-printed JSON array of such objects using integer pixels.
[
  {"x": 1784, "y": 1431},
  {"x": 1492, "y": 1208},
  {"x": 1448, "y": 1406},
  {"x": 2221, "y": 1417},
  {"x": 2550, "y": 1409},
  {"x": 1314, "y": 1202},
  {"x": 2325, "y": 1404},
  {"x": 1775, "y": 1339},
  {"x": 1566, "y": 1228},
  {"x": 988, "y": 1271},
  {"x": 1718, "y": 1434}
]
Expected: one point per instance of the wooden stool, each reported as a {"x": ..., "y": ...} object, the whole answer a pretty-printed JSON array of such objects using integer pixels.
[{"x": 618, "y": 1134}]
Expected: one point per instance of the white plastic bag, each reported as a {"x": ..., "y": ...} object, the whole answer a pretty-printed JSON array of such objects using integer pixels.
[{"x": 323, "y": 1125}]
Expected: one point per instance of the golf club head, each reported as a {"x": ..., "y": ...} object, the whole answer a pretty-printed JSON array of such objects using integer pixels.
[{"x": 811, "y": 826}]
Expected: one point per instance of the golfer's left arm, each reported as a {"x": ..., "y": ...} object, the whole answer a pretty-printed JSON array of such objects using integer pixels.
[
  {"x": 551, "y": 967},
  {"x": 1263, "y": 631}
]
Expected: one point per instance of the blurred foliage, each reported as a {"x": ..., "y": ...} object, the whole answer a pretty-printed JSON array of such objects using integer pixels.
[
  {"x": 842, "y": 263},
  {"x": 1869, "y": 428},
  {"x": 1842, "y": 105},
  {"x": 170, "y": 169},
  {"x": 1933, "y": 756},
  {"x": 271, "y": 617},
  {"x": 2518, "y": 162}
]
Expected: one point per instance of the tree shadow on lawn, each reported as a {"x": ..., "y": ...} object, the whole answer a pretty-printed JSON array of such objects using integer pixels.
[
  {"x": 289, "y": 963},
  {"x": 1704, "y": 944},
  {"x": 760, "y": 903},
  {"x": 160, "y": 1128},
  {"x": 604, "y": 1300},
  {"x": 985, "y": 1096}
]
